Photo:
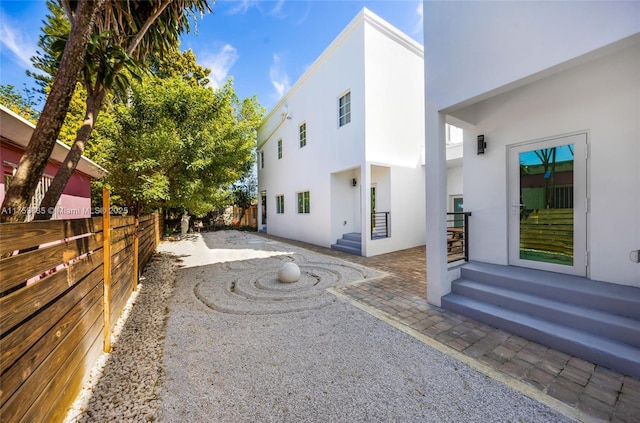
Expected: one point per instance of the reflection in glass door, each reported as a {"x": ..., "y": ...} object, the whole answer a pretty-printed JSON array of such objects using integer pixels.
[
  {"x": 546, "y": 209},
  {"x": 548, "y": 193}
]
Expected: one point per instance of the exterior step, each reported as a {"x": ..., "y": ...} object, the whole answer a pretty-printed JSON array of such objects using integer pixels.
[
  {"x": 353, "y": 236},
  {"x": 349, "y": 243},
  {"x": 615, "y": 355},
  {"x": 616, "y": 327},
  {"x": 593, "y": 320},
  {"x": 608, "y": 297}
]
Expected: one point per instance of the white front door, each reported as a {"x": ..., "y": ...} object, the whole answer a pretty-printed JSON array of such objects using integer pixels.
[{"x": 548, "y": 204}]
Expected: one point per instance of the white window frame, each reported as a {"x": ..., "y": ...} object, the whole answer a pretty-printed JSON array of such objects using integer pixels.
[
  {"x": 344, "y": 109},
  {"x": 279, "y": 148},
  {"x": 280, "y": 204},
  {"x": 301, "y": 202},
  {"x": 302, "y": 134}
]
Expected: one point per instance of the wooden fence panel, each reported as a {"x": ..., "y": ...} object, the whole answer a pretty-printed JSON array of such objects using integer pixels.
[
  {"x": 16, "y": 270},
  {"x": 51, "y": 328}
]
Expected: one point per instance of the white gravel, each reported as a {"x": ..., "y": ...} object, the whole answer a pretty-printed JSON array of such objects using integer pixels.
[{"x": 240, "y": 347}]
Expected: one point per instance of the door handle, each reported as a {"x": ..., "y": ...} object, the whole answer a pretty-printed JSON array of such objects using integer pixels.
[{"x": 516, "y": 206}]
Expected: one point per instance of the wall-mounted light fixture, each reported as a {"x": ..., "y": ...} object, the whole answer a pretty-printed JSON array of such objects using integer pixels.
[
  {"x": 354, "y": 182},
  {"x": 482, "y": 145}
]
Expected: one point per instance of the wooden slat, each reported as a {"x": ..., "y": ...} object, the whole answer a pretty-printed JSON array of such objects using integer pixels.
[
  {"x": 20, "y": 236},
  {"x": 117, "y": 246},
  {"x": 120, "y": 221},
  {"x": 17, "y": 342},
  {"x": 21, "y": 304},
  {"x": 122, "y": 233},
  {"x": 22, "y": 369},
  {"x": 52, "y": 376},
  {"x": 57, "y": 410},
  {"x": 17, "y": 269}
]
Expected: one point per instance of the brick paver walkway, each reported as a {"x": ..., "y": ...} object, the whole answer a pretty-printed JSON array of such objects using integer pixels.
[{"x": 594, "y": 392}]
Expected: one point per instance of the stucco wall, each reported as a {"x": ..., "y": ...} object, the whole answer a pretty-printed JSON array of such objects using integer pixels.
[
  {"x": 330, "y": 148},
  {"x": 600, "y": 97},
  {"x": 502, "y": 42}
]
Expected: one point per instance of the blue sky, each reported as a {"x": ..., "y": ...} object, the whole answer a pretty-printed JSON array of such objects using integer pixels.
[{"x": 264, "y": 45}]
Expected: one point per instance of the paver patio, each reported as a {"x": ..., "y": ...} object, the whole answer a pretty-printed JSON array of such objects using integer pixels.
[{"x": 595, "y": 392}]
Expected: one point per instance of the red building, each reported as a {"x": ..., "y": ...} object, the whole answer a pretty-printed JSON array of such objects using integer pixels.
[{"x": 75, "y": 201}]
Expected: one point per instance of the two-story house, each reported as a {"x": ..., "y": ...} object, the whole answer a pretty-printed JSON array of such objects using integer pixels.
[{"x": 340, "y": 157}]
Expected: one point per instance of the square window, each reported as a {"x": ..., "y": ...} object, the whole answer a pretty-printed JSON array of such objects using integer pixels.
[
  {"x": 303, "y": 135},
  {"x": 303, "y": 202},
  {"x": 344, "y": 109},
  {"x": 279, "y": 149},
  {"x": 279, "y": 204}
]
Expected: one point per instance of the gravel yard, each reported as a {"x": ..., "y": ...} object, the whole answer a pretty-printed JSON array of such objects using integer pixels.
[{"x": 214, "y": 337}]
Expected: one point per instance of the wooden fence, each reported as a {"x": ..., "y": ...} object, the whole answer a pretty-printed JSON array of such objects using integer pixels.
[
  {"x": 548, "y": 230},
  {"x": 55, "y": 297}
]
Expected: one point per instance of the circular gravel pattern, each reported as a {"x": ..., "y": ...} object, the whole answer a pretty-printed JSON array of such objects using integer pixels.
[{"x": 250, "y": 286}]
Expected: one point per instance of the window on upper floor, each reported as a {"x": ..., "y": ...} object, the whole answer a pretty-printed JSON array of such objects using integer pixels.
[
  {"x": 344, "y": 109},
  {"x": 303, "y": 134},
  {"x": 279, "y": 148},
  {"x": 279, "y": 204},
  {"x": 303, "y": 202},
  {"x": 261, "y": 159}
]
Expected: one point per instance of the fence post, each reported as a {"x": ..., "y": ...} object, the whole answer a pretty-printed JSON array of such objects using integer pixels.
[
  {"x": 136, "y": 253},
  {"x": 106, "y": 296}
]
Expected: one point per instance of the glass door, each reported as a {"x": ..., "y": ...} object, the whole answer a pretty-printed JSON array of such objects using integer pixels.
[{"x": 547, "y": 204}]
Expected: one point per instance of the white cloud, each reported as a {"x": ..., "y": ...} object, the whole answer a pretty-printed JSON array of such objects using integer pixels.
[
  {"x": 277, "y": 9},
  {"x": 242, "y": 6},
  {"x": 16, "y": 42},
  {"x": 220, "y": 63},
  {"x": 419, "y": 25},
  {"x": 279, "y": 78}
]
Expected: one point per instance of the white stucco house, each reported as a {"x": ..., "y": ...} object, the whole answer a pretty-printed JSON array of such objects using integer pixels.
[
  {"x": 340, "y": 157},
  {"x": 553, "y": 90}
]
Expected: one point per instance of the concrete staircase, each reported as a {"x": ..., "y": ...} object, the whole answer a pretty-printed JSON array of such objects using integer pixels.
[
  {"x": 349, "y": 243},
  {"x": 596, "y": 321}
]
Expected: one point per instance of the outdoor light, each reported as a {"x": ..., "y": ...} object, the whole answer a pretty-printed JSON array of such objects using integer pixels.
[
  {"x": 482, "y": 145},
  {"x": 354, "y": 182}
]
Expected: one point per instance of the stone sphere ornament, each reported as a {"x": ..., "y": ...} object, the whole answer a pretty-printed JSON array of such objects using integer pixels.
[{"x": 289, "y": 273}]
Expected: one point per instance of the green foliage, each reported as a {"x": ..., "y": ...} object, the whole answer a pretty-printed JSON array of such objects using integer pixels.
[
  {"x": 55, "y": 26},
  {"x": 17, "y": 103},
  {"x": 179, "y": 145}
]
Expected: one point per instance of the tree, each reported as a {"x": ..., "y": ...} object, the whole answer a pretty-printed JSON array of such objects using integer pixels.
[
  {"x": 44, "y": 136},
  {"x": 125, "y": 34},
  {"x": 180, "y": 145},
  {"x": 152, "y": 27},
  {"x": 17, "y": 103}
]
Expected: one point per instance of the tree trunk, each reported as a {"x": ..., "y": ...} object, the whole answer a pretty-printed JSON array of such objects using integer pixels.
[
  {"x": 51, "y": 197},
  {"x": 36, "y": 156}
]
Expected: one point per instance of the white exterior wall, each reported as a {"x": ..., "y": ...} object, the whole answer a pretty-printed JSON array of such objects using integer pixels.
[
  {"x": 507, "y": 45},
  {"x": 330, "y": 148},
  {"x": 600, "y": 97},
  {"x": 395, "y": 137},
  {"x": 474, "y": 47}
]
